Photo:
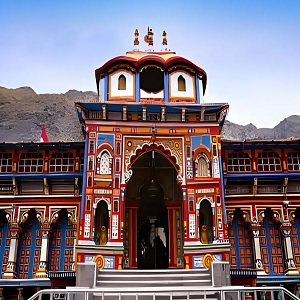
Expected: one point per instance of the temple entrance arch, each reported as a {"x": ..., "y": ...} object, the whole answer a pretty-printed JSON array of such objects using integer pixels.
[{"x": 153, "y": 214}]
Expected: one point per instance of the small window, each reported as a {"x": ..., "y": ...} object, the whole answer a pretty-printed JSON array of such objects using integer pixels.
[
  {"x": 31, "y": 162},
  {"x": 268, "y": 162},
  {"x": 6, "y": 162},
  {"x": 117, "y": 182},
  {"x": 118, "y": 148},
  {"x": 293, "y": 161},
  {"x": 104, "y": 163},
  {"x": 62, "y": 162},
  {"x": 122, "y": 82},
  {"x": 117, "y": 165},
  {"x": 89, "y": 181},
  {"x": 202, "y": 167},
  {"x": 91, "y": 163},
  {"x": 92, "y": 146},
  {"x": 238, "y": 162},
  {"x": 181, "y": 84}
]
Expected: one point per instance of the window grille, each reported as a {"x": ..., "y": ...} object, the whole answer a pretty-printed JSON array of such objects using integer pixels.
[
  {"x": 6, "y": 162},
  {"x": 293, "y": 161},
  {"x": 238, "y": 162},
  {"x": 31, "y": 162},
  {"x": 62, "y": 162},
  {"x": 268, "y": 162}
]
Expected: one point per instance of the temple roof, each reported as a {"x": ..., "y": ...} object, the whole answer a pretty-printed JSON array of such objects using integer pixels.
[{"x": 167, "y": 60}]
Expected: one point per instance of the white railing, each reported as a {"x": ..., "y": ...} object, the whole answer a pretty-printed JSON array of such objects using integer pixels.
[{"x": 190, "y": 292}]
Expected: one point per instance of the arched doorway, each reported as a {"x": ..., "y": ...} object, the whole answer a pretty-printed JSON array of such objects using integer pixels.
[{"x": 153, "y": 222}]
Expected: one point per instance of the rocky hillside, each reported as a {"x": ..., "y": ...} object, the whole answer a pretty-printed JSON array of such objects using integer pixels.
[
  {"x": 288, "y": 128},
  {"x": 23, "y": 113}
]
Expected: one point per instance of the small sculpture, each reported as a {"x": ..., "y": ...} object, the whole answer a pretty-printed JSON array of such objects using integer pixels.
[
  {"x": 136, "y": 38},
  {"x": 103, "y": 236},
  {"x": 203, "y": 237},
  {"x": 149, "y": 37},
  {"x": 164, "y": 40}
]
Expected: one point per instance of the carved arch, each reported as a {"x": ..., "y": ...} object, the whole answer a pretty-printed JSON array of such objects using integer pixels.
[
  {"x": 167, "y": 153},
  {"x": 243, "y": 214},
  {"x": 106, "y": 200},
  {"x": 105, "y": 146},
  {"x": 71, "y": 215},
  {"x": 24, "y": 214},
  {"x": 201, "y": 149},
  {"x": 276, "y": 215}
]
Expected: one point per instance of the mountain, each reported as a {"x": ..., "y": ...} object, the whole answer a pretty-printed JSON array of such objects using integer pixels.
[
  {"x": 23, "y": 112},
  {"x": 287, "y": 128}
]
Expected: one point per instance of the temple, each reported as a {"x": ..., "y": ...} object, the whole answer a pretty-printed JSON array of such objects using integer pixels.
[
  {"x": 153, "y": 166},
  {"x": 153, "y": 186}
]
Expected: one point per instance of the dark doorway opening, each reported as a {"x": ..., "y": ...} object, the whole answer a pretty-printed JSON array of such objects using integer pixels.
[{"x": 153, "y": 231}]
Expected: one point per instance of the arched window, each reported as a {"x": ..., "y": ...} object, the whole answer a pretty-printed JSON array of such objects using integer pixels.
[
  {"x": 271, "y": 245},
  {"x": 104, "y": 163},
  {"x": 206, "y": 222},
  {"x": 30, "y": 247},
  {"x": 202, "y": 166},
  {"x": 101, "y": 223},
  {"x": 63, "y": 234},
  {"x": 241, "y": 255},
  {"x": 295, "y": 238},
  {"x": 181, "y": 84},
  {"x": 122, "y": 82},
  {"x": 4, "y": 249}
]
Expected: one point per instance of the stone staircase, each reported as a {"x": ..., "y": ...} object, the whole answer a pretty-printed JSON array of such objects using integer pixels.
[
  {"x": 179, "y": 281},
  {"x": 144, "y": 278}
]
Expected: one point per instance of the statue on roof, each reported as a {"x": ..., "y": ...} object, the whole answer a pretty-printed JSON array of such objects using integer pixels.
[
  {"x": 149, "y": 37},
  {"x": 136, "y": 38},
  {"x": 164, "y": 40}
]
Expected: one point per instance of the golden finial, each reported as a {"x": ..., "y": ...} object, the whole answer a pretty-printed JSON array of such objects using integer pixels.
[
  {"x": 136, "y": 38},
  {"x": 164, "y": 40},
  {"x": 149, "y": 37}
]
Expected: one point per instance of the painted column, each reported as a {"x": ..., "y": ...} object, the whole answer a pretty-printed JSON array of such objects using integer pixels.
[
  {"x": 198, "y": 97},
  {"x": 41, "y": 272},
  {"x": 10, "y": 271},
  {"x": 255, "y": 226},
  {"x": 105, "y": 96},
  {"x": 166, "y": 87},
  {"x": 137, "y": 87},
  {"x": 286, "y": 231}
]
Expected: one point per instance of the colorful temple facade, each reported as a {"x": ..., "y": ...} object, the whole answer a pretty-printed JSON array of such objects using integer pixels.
[
  {"x": 152, "y": 187},
  {"x": 153, "y": 158},
  {"x": 40, "y": 194},
  {"x": 262, "y": 190}
]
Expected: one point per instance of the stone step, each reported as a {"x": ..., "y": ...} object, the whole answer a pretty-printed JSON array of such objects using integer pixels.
[
  {"x": 167, "y": 277},
  {"x": 158, "y": 296},
  {"x": 155, "y": 282}
]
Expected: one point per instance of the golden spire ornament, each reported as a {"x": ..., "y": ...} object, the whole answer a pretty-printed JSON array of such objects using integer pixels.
[
  {"x": 136, "y": 38},
  {"x": 149, "y": 37},
  {"x": 164, "y": 40}
]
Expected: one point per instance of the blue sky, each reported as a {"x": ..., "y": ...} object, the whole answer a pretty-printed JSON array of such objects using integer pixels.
[{"x": 249, "y": 49}]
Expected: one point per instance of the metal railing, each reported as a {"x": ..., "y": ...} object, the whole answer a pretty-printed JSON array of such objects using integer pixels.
[{"x": 157, "y": 293}]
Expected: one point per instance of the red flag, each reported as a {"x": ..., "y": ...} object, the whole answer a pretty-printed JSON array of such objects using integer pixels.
[{"x": 44, "y": 137}]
